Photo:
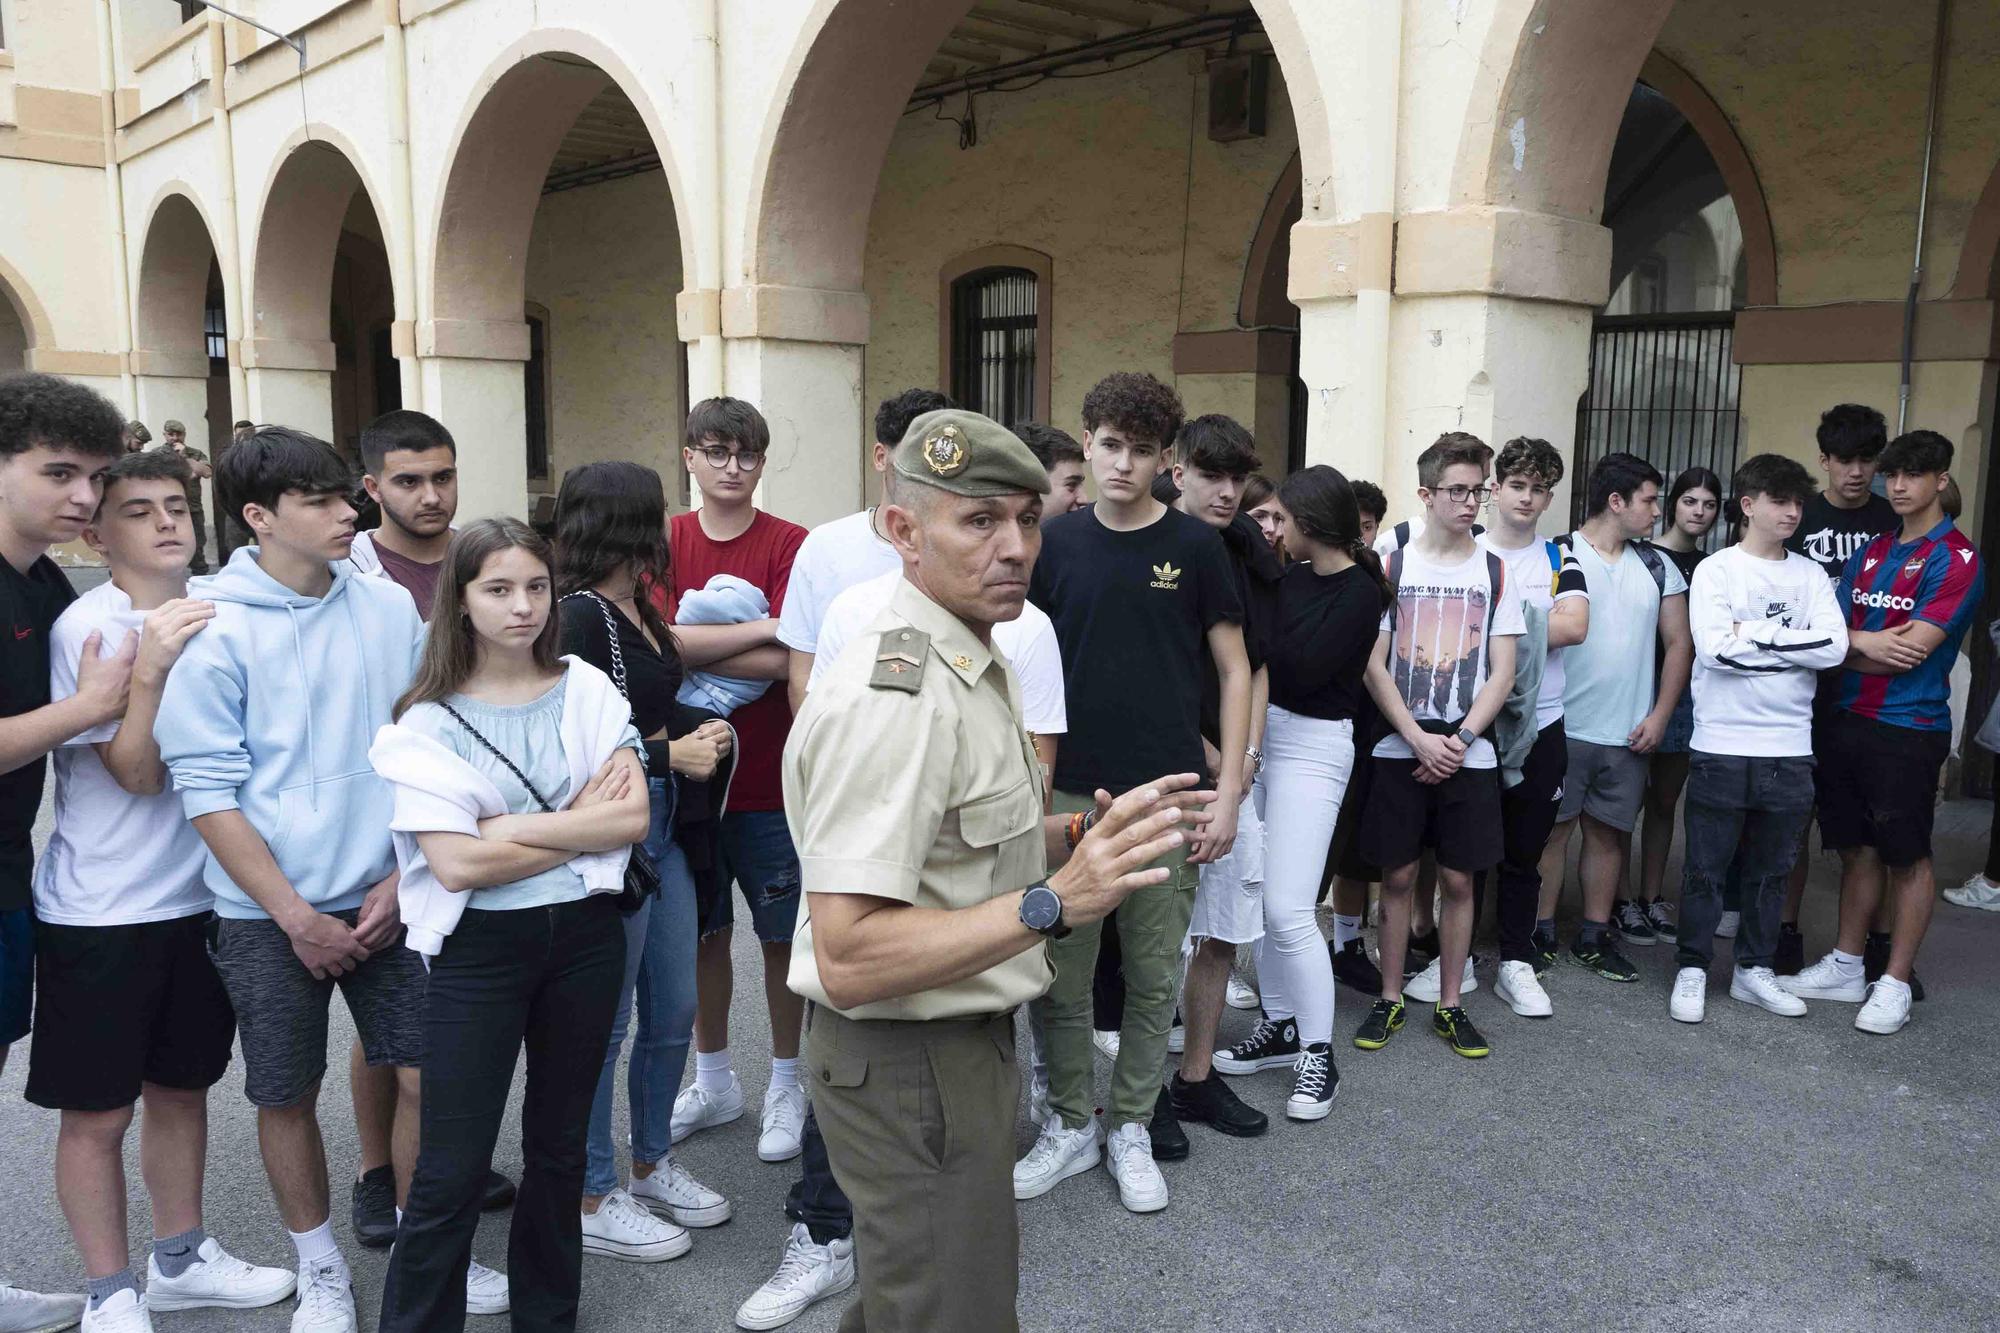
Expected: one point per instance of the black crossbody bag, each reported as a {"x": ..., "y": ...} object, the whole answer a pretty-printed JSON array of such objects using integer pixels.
[{"x": 642, "y": 877}]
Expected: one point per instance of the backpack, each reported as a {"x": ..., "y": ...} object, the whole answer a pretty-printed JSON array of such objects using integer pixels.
[{"x": 1649, "y": 556}]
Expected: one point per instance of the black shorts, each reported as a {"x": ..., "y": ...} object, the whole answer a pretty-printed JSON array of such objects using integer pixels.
[
  {"x": 1459, "y": 817},
  {"x": 1343, "y": 856},
  {"x": 1878, "y": 787},
  {"x": 122, "y": 1006},
  {"x": 281, "y": 1007}
]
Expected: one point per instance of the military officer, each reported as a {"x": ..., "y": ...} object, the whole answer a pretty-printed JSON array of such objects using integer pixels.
[{"x": 915, "y": 799}]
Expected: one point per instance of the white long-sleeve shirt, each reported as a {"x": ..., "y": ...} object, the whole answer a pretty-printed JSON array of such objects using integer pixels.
[{"x": 1763, "y": 631}]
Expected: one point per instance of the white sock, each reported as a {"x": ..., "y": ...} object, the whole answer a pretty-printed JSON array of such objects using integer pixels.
[
  {"x": 399, "y": 1217},
  {"x": 1848, "y": 963},
  {"x": 712, "y": 1070},
  {"x": 1345, "y": 928},
  {"x": 784, "y": 1073},
  {"x": 317, "y": 1246}
]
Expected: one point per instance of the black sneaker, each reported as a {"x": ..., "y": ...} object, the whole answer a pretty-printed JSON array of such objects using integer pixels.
[
  {"x": 1661, "y": 918},
  {"x": 1212, "y": 1102},
  {"x": 1170, "y": 1141},
  {"x": 1418, "y": 956},
  {"x": 1385, "y": 1018},
  {"x": 1353, "y": 968},
  {"x": 1629, "y": 920},
  {"x": 1789, "y": 958},
  {"x": 499, "y": 1192},
  {"x": 1542, "y": 953},
  {"x": 1273, "y": 1044},
  {"x": 1602, "y": 959},
  {"x": 1455, "y": 1027},
  {"x": 1315, "y": 1083},
  {"x": 375, "y": 1208}
]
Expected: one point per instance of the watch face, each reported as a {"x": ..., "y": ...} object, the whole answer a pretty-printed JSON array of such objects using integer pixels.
[{"x": 1041, "y": 908}]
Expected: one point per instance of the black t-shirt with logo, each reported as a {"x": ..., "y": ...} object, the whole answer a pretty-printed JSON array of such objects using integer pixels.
[
  {"x": 1828, "y": 534},
  {"x": 1132, "y": 611},
  {"x": 30, "y": 603}
]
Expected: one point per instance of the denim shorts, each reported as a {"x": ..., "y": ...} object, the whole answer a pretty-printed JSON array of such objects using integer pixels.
[{"x": 757, "y": 854}]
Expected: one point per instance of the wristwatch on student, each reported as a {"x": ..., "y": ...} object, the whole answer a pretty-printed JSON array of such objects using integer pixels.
[
  {"x": 1466, "y": 738},
  {"x": 1042, "y": 912}
]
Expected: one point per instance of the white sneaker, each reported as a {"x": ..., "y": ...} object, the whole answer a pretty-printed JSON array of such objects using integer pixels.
[
  {"x": 1979, "y": 892},
  {"x": 485, "y": 1290},
  {"x": 1176, "y": 1039},
  {"x": 621, "y": 1229},
  {"x": 807, "y": 1273},
  {"x": 24, "y": 1311},
  {"x": 326, "y": 1300},
  {"x": 784, "y": 1124},
  {"x": 671, "y": 1190},
  {"x": 1518, "y": 985},
  {"x": 216, "y": 1279},
  {"x": 1059, "y": 1153},
  {"x": 1727, "y": 924},
  {"x": 697, "y": 1108},
  {"x": 1758, "y": 986},
  {"x": 1425, "y": 986},
  {"x": 1887, "y": 1009},
  {"x": 1242, "y": 995},
  {"x": 1105, "y": 1042},
  {"x": 1689, "y": 1001},
  {"x": 1129, "y": 1159},
  {"x": 125, "y": 1312},
  {"x": 1828, "y": 980}
]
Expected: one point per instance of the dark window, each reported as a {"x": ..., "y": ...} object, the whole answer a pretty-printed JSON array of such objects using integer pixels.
[
  {"x": 388, "y": 374},
  {"x": 215, "y": 329},
  {"x": 993, "y": 322},
  {"x": 535, "y": 398}
]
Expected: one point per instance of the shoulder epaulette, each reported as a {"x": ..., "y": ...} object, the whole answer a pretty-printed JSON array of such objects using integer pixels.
[{"x": 899, "y": 660}]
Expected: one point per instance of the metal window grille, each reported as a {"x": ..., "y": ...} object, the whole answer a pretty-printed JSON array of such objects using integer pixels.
[
  {"x": 993, "y": 321},
  {"x": 1663, "y": 387},
  {"x": 215, "y": 331}
]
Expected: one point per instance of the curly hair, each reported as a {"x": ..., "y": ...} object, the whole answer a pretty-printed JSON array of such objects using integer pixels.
[
  {"x": 56, "y": 413},
  {"x": 893, "y": 417},
  {"x": 1136, "y": 404},
  {"x": 1526, "y": 456}
]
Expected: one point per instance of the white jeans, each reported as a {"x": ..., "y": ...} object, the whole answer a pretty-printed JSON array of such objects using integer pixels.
[{"x": 1307, "y": 761}]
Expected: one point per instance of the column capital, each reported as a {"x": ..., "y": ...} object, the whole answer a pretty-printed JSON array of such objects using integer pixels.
[
  {"x": 698, "y": 314},
  {"x": 473, "y": 339},
  {"x": 795, "y": 314},
  {"x": 170, "y": 365},
  {"x": 1337, "y": 259},
  {"x": 285, "y": 354},
  {"x": 1484, "y": 251}
]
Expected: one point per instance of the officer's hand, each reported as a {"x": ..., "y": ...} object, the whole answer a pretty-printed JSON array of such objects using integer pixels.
[{"x": 1115, "y": 856}]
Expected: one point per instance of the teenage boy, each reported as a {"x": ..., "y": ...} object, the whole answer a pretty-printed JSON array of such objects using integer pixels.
[
  {"x": 265, "y": 725},
  {"x": 1909, "y": 595},
  {"x": 1374, "y": 508},
  {"x": 1765, "y": 623},
  {"x": 1214, "y": 457},
  {"x": 174, "y": 440},
  {"x": 411, "y": 472},
  {"x": 1549, "y": 579},
  {"x": 1442, "y": 666},
  {"x": 130, "y": 1007},
  {"x": 57, "y": 439},
  {"x": 726, "y": 443},
  {"x": 1841, "y": 519},
  {"x": 1143, "y": 601},
  {"x": 1062, "y": 458},
  {"x": 1613, "y": 713}
]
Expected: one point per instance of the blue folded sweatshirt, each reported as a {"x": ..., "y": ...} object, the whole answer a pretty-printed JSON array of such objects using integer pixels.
[{"x": 271, "y": 710}]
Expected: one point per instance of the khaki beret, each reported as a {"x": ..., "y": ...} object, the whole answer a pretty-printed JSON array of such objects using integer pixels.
[{"x": 967, "y": 454}]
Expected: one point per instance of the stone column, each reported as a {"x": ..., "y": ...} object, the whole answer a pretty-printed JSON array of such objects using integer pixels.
[
  {"x": 796, "y": 353},
  {"x": 290, "y": 383},
  {"x": 472, "y": 375}
]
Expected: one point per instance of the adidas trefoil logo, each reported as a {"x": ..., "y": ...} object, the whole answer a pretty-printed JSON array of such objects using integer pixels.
[{"x": 1167, "y": 577}]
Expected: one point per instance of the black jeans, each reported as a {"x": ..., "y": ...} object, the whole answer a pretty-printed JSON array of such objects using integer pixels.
[
  {"x": 546, "y": 978},
  {"x": 1527, "y": 817},
  {"x": 1750, "y": 812},
  {"x": 816, "y": 1198}
]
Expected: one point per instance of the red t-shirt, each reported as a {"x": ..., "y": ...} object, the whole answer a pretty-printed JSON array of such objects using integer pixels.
[{"x": 762, "y": 556}]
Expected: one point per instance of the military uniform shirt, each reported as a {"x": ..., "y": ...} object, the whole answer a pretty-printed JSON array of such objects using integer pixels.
[{"x": 930, "y": 796}]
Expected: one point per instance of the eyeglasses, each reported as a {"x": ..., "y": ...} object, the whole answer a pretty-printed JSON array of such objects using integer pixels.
[
  {"x": 1458, "y": 495},
  {"x": 747, "y": 460}
]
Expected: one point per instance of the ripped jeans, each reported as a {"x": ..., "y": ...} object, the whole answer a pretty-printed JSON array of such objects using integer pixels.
[{"x": 757, "y": 854}]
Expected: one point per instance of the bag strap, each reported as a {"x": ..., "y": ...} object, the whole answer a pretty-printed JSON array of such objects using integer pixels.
[
  {"x": 494, "y": 750},
  {"x": 1496, "y": 579},
  {"x": 611, "y": 633}
]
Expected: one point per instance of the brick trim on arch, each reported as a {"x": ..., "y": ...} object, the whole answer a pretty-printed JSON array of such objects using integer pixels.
[{"x": 1732, "y": 159}]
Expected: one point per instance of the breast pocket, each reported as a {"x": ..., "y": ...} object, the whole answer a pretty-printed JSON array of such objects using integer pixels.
[{"x": 992, "y": 820}]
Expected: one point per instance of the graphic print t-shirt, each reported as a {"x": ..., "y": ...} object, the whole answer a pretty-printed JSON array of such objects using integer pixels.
[
  {"x": 1442, "y": 625},
  {"x": 1828, "y": 535}
]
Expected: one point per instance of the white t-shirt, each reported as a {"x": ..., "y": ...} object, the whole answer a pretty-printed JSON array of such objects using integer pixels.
[
  {"x": 1544, "y": 574},
  {"x": 1029, "y": 643},
  {"x": 833, "y": 558},
  {"x": 1610, "y": 682},
  {"x": 114, "y": 859},
  {"x": 1441, "y": 621}
]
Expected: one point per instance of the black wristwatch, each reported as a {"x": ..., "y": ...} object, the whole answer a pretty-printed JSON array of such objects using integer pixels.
[
  {"x": 1042, "y": 912},
  {"x": 1466, "y": 738}
]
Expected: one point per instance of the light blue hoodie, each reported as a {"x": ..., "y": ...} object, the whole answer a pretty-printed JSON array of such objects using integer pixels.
[{"x": 271, "y": 710}]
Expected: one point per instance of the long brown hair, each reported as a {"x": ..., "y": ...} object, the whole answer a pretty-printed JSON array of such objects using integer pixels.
[
  {"x": 612, "y": 516},
  {"x": 451, "y": 650}
]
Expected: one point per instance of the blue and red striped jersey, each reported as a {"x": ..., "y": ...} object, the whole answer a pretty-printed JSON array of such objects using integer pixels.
[{"x": 1889, "y": 582}]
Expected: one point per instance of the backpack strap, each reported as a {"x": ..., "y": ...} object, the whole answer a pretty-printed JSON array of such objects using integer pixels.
[
  {"x": 1392, "y": 570},
  {"x": 1655, "y": 563},
  {"x": 1402, "y": 531},
  {"x": 1496, "y": 579}
]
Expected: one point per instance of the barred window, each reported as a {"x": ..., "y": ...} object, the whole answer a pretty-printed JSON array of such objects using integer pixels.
[{"x": 993, "y": 343}]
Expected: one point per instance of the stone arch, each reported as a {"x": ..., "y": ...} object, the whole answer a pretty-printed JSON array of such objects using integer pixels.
[
  {"x": 26, "y": 306},
  {"x": 1978, "y": 277},
  {"x": 1263, "y": 302},
  {"x": 175, "y": 261},
  {"x": 1718, "y": 134},
  {"x": 313, "y": 181},
  {"x": 820, "y": 152},
  {"x": 520, "y": 109}
]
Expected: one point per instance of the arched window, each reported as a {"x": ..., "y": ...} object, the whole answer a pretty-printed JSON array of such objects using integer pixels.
[{"x": 995, "y": 334}]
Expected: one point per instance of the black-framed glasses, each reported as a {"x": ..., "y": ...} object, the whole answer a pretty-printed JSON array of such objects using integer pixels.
[
  {"x": 719, "y": 456},
  {"x": 1458, "y": 495}
]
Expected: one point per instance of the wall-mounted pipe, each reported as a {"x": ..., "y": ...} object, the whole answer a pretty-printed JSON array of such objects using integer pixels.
[
  {"x": 114, "y": 192},
  {"x": 1923, "y": 208}
]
